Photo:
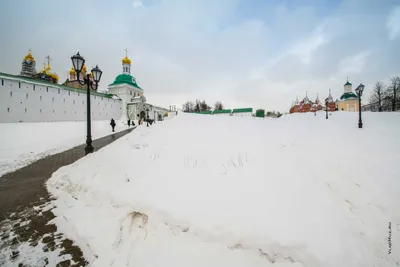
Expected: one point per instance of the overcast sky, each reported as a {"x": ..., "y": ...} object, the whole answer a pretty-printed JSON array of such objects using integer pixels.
[{"x": 245, "y": 53}]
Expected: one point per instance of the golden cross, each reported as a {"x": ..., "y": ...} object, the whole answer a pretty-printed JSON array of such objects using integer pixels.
[
  {"x": 30, "y": 51},
  {"x": 48, "y": 60},
  {"x": 126, "y": 52}
]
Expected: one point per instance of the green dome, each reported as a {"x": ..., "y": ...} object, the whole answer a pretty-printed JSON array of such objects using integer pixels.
[
  {"x": 347, "y": 83},
  {"x": 125, "y": 79},
  {"x": 348, "y": 95}
]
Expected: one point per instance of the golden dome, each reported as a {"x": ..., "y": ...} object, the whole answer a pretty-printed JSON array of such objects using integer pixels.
[
  {"x": 49, "y": 73},
  {"x": 126, "y": 60},
  {"x": 84, "y": 69},
  {"x": 72, "y": 71},
  {"x": 54, "y": 76},
  {"x": 29, "y": 57}
]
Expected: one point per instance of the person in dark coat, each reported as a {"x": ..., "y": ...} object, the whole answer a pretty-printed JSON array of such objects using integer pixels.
[
  {"x": 112, "y": 123},
  {"x": 129, "y": 123}
]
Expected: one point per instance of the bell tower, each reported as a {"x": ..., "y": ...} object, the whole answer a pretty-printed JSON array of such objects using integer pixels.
[{"x": 126, "y": 63}]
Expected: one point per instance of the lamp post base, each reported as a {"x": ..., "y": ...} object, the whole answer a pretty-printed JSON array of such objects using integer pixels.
[
  {"x": 360, "y": 125},
  {"x": 89, "y": 148}
]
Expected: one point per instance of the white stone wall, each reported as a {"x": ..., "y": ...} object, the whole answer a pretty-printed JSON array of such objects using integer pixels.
[
  {"x": 222, "y": 114},
  {"x": 242, "y": 114},
  {"x": 23, "y": 101}
]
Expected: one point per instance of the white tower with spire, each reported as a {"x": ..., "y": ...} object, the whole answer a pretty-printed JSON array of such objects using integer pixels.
[
  {"x": 126, "y": 87},
  {"x": 126, "y": 63}
]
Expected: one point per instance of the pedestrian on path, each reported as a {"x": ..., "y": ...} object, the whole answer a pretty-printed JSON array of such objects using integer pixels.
[
  {"x": 129, "y": 123},
  {"x": 112, "y": 123}
]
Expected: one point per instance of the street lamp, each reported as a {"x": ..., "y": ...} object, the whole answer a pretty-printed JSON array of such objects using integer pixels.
[
  {"x": 78, "y": 61},
  {"x": 326, "y": 108},
  {"x": 359, "y": 90},
  {"x": 147, "y": 117}
]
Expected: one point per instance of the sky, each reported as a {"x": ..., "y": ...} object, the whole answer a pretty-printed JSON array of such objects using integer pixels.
[{"x": 245, "y": 53}]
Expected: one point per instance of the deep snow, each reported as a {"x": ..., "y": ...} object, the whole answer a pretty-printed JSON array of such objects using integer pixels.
[
  {"x": 23, "y": 143},
  {"x": 203, "y": 190}
]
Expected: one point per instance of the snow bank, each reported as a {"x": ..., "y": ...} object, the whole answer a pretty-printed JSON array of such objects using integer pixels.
[
  {"x": 24, "y": 143},
  {"x": 225, "y": 191}
]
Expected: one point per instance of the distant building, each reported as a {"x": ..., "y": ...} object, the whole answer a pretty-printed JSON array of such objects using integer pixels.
[
  {"x": 306, "y": 105},
  {"x": 330, "y": 103},
  {"x": 349, "y": 100}
]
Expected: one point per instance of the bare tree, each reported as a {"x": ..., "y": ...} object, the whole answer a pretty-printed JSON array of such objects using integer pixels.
[
  {"x": 197, "y": 106},
  {"x": 188, "y": 106},
  {"x": 378, "y": 94},
  {"x": 218, "y": 106},
  {"x": 204, "y": 106},
  {"x": 393, "y": 91}
]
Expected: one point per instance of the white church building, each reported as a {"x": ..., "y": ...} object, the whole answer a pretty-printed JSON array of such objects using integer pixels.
[
  {"x": 131, "y": 94},
  {"x": 37, "y": 97}
]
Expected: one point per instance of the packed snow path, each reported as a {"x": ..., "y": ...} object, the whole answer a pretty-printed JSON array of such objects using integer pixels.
[
  {"x": 26, "y": 236},
  {"x": 224, "y": 191},
  {"x": 24, "y": 143}
]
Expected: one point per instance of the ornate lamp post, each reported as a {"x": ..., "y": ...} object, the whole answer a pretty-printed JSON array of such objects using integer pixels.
[
  {"x": 78, "y": 61},
  {"x": 359, "y": 90},
  {"x": 326, "y": 108}
]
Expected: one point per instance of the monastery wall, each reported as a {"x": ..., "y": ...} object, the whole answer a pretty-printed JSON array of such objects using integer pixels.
[{"x": 25, "y": 100}]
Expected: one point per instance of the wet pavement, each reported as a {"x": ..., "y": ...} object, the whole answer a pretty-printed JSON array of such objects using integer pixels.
[{"x": 25, "y": 212}]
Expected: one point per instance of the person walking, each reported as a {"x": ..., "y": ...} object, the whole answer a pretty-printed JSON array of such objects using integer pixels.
[
  {"x": 112, "y": 123},
  {"x": 129, "y": 123}
]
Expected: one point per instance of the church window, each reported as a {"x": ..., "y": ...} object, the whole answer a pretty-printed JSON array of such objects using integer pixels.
[
  {"x": 19, "y": 85},
  {"x": 10, "y": 94},
  {"x": 64, "y": 100},
  {"x": 54, "y": 111},
  {"x": 8, "y": 109},
  {"x": 26, "y": 110},
  {"x": 83, "y": 102},
  {"x": 2, "y": 82},
  {"x": 78, "y": 93},
  {"x": 26, "y": 96},
  {"x": 69, "y": 93},
  {"x": 40, "y": 110},
  {"x": 34, "y": 88},
  {"x": 65, "y": 112},
  {"x": 58, "y": 90},
  {"x": 40, "y": 98},
  {"x": 74, "y": 101},
  {"x": 52, "y": 99},
  {"x": 47, "y": 89},
  {"x": 131, "y": 92}
]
